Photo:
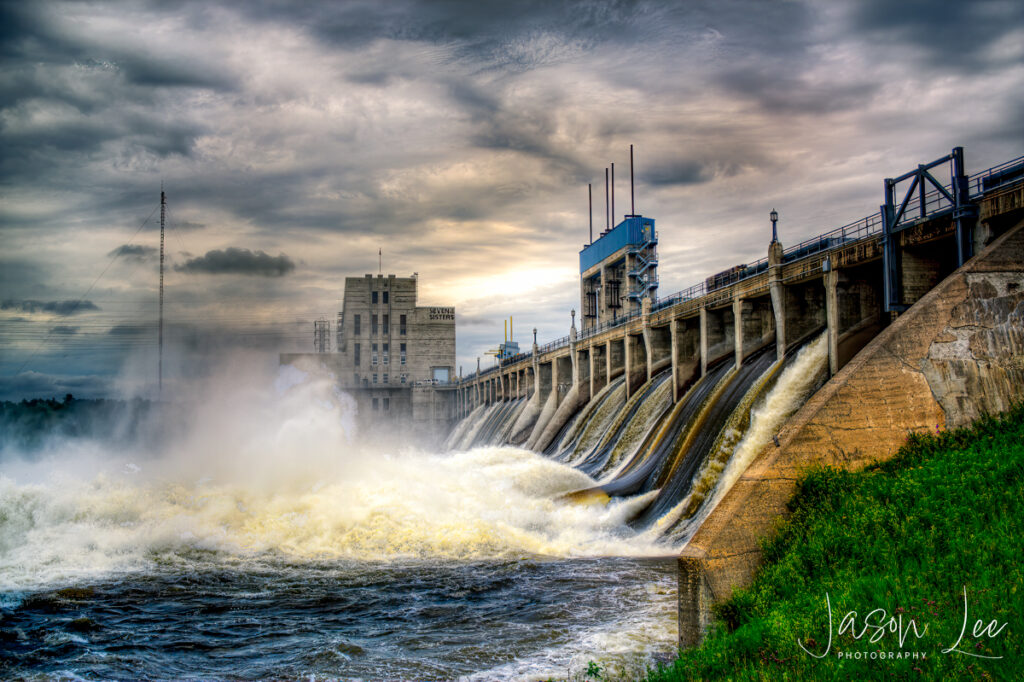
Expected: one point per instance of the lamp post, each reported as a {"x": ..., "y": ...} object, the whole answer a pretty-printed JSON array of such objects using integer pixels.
[{"x": 774, "y": 215}]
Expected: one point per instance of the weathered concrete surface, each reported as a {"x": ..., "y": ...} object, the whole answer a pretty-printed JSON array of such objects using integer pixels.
[
  {"x": 977, "y": 364},
  {"x": 576, "y": 399},
  {"x": 523, "y": 427},
  {"x": 955, "y": 354}
]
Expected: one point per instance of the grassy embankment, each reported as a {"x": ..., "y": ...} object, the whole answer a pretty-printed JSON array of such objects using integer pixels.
[{"x": 906, "y": 536}]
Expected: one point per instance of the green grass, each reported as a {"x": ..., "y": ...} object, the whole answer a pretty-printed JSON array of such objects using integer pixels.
[{"x": 906, "y": 536}]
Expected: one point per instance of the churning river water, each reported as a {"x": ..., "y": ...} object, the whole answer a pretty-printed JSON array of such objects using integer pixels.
[{"x": 262, "y": 542}]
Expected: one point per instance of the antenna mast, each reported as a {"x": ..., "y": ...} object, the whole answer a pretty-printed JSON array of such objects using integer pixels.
[
  {"x": 160, "y": 341},
  {"x": 590, "y": 207},
  {"x": 607, "y": 216},
  {"x": 632, "y": 197}
]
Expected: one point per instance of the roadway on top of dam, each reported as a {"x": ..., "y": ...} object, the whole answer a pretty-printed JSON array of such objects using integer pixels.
[{"x": 853, "y": 244}]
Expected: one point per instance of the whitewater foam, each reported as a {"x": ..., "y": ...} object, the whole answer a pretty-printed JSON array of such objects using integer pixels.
[{"x": 277, "y": 472}]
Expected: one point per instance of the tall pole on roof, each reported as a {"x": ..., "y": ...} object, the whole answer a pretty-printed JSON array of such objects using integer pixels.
[
  {"x": 613, "y": 195},
  {"x": 607, "y": 216},
  {"x": 632, "y": 196},
  {"x": 590, "y": 209}
]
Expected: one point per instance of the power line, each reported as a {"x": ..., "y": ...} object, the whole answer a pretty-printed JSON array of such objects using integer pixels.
[{"x": 117, "y": 254}]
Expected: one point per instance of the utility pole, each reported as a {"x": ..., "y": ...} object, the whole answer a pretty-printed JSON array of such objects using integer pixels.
[{"x": 160, "y": 341}]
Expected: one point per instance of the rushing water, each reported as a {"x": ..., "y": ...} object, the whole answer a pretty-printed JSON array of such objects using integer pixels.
[
  {"x": 265, "y": 542},
  {"x": 196, "y": 614}
]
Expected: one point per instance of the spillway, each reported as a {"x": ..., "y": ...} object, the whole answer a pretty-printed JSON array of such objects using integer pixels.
[
  {"x": 674, "y": 480},
  {"x": 642, "y": 474},
  {"x": 764, "y": 410},
  {"x": 675, "y": 458},
  {"x": 618, "y": 431}
]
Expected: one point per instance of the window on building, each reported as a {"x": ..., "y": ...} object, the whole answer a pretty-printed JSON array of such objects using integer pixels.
[
  {"x": 385, "y": 297},
  {"x": 373, "y": 354},
  {"x": 355, "y": 378},
  {"x": 373, "y": 297},
  {"x": 403, "y": 378},
  {"x": 401, "y": 325},
  {"x": 441, "y": 374},
  {"x": 384, "y": 349},
  {"x": 386, "y": 330},
  {"x": 374, "y": 378},
  {"x": 385, "y": 378},
  {"x": 355, "y": 354},
  {"x": 376, "y": 405},
  {"x": 402, "y": 351},
  {"x": 387, "y": 404},
  {"x": 355, "y": 325},
  {"x": 373, "y": 325}
]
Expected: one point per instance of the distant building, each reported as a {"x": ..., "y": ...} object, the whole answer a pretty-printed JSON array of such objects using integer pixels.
[
  {"x": 394, "y": 357},
  {"x": 618, "y": 270}
]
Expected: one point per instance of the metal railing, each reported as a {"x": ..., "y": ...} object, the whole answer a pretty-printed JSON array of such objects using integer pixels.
[
  {"x": 553, "y": 345},
  {"x": 976, "y": 183},
  {"x": 604, "y": 326},
  {"x": 859, "y": 229},
  {"x": 695, "y": 291}
]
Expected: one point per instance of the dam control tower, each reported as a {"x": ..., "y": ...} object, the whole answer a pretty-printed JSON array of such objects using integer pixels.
[{"x": 617, "y": 271}]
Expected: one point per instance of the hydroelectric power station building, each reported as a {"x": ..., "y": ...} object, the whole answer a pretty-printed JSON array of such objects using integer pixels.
[
  {"x": 395, "y": 358},
  {"x": 618, "y": 271}
]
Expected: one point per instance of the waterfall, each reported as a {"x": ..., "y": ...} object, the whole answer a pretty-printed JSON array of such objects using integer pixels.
[
  {"x": 643, "y": 471},
  {"x": 474, "y": 422},
  {"x": 774, "y": 404},
  {"x": 457, "y": 435},
  {"x": 675, "y": 459},
  {"x": 598, "y": 458},
  {"x": 674, "y": 482},
  {"x": 567, "y": 445},
  {"x": 649, "y": 414},
  {"x": 598, "y": 424}
]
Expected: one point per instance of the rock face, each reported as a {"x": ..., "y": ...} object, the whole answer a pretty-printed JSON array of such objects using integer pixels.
[{"x": 956, "y": 354}]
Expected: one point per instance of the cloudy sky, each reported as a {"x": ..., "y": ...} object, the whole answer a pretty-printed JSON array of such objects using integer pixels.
[{"x": 294, "y": 140}]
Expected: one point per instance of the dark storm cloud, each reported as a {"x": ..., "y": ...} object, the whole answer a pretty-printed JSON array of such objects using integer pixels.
[
  {"x": 36, "y": 31},
  {"x": 62, "y": 308},
  {"x": 679, "y": 172},
  {"x": 64, "y": 330},
  {"x": 235, "y": 261},
  {"x": 526, "y": 129},
  {"x": 134, "y": 252},
  {"x": 783, "y": 93},
  {"x": 66, "y": 97},
  {"x": 476, "y": 26},
  {"x": 951, "y": 35}
]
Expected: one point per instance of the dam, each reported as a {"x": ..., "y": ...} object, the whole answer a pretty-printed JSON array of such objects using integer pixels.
[
  {"x": 702, "y": 407},
  {"x": 596, "y": 495}
]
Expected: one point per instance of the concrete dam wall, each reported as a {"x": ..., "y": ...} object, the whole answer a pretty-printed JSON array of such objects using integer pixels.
[
  {"x": 954, "y": 355},
  {"x": 695, "y": 416}
]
